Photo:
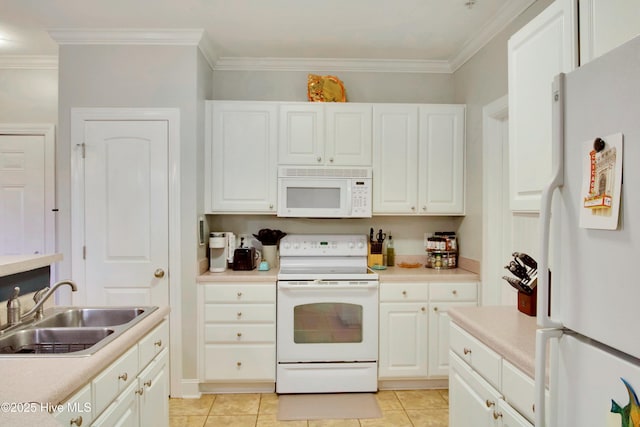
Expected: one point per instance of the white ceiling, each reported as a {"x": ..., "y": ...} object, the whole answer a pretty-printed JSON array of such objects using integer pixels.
[{"x": 424, "y": 31}]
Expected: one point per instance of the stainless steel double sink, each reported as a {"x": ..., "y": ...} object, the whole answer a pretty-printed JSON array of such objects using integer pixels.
[{"x": 70, "y": 331}]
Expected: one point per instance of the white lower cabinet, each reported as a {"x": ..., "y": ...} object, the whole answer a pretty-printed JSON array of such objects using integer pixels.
[
  {"x": 132, "y": 391},
  {"x": 414, "y": 327},
  {"x": 238, "y": 333},
  {"x": 484, "y": 388}
]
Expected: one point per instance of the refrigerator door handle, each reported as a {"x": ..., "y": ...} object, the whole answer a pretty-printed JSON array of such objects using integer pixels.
[
  {"x": 557, "y": 180},
  {"x": 542, "y": 337}
]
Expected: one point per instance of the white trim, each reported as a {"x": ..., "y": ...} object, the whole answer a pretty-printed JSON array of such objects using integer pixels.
[
  {"x": 492, "y": 201},
  {"x": 331, "y": 65},
  {"x": 29, "y": 62},
  {"x": 47, "y": 131},
  {"x": 190, "y": 389},
  {"x": 172, "y": 116},
  {"x": 510, "y": 11}
]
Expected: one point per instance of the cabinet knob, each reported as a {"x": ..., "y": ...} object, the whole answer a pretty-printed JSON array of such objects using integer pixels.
[
  {"x": 413, "y": 208},
  {"x": 490, "y": 403},
  {"x": 424, "y": 208},
  {"x": 331, "y": 160},
  {"x": 76, "y": 421},
  {"x": 158, "y": 343},
  {"x": 423, "y": 309},
  {"x": 467, "y": 350},
  {"x": 140, "y": 391},
  {"x": 123, "y": 377},
  {"x": 497, "y": 415},
  {"x": 239, "y": 314},
  {"x": 271, "y": 206},
  {"x": 239, "y": 294},
  {"x": 159, "y": 273},
  {"x": 319, "y": 159},
  {"x": 239, "y": 334},
  {"x": 404, "y": 293},
  {"x": 454, "y": 292},
  {"x": 147, "y": 383},
  {"x": 238, "y": 364},
  {"x": 533, "y": 407},
  {"x": 435, "y": 308}
]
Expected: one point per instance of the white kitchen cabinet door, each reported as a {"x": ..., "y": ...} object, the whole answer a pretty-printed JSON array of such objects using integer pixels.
[
  {"x": 441, "y": 164},
  {"x": 540, "y": 50},
  {"x": 395, "y": 159},
  {"x": 348, "y": 134},
  {"x": 241, "y": 157},
  {"x": 301, "y": 137},
  {"x": 472, "y": 401},
  {"x": 606, "y": 24},
  {"x": 509, "y": 417},
  {"x": 439, "y": 337},
  {"x": 123, "y": 412},
  {"x": 403, "y": 341},
  {"x": 153, "y": 392}
]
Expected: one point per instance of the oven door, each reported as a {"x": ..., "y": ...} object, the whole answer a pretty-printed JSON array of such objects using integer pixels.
[{"x": 327, "y": 321}]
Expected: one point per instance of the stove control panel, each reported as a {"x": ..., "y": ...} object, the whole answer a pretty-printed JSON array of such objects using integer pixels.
[{"x": 323, "y": 245}]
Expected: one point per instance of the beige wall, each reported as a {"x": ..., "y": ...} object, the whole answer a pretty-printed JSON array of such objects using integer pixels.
[
  {"x": 480, "y": 81},
  {"x": 28, "y": 96}
]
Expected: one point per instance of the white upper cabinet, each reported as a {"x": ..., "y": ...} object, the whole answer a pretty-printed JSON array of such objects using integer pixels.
[
  {"x": 325, "y": 134},
  {"x": 418, "y": 159},
  {"x": 241, "y": 157},
  {"x": 395, "y": 159},
  {"x": 441, "y": 159},
  {"x": 540, "y": 50},
  {"x": 606, "y": 24}
]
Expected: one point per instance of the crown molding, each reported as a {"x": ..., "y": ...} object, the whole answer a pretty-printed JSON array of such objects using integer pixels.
[
  {"x": 29, "y": 62},
  {"x": 331, "y": 65},
  {"x": 510, "y": 11}
]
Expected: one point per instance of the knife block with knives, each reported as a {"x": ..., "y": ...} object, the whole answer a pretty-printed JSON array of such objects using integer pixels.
[
  {"x": 525, "y": 269},
  {"x": 374, "y": 252}
]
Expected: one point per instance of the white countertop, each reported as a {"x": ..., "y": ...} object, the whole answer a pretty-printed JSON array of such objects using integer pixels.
[
  {"x": 53, "y": 379},
  {"x": 391, "y": 274},
  {"x": 12, "y": 264},
  {"x": 504, "y": 329}
]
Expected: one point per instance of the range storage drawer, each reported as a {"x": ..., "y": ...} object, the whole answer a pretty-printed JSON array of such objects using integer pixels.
[
  {"x": 404, "y": 292},
  {"x": 485, "y": 361},
  {"x": 240, "y": 362},
  {"x": 450, "y": 292},
  {"x": 240, "y": 293},
  {"x": 151, "y": 345}
]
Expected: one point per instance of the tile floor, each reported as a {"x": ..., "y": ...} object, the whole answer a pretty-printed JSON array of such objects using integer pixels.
[{"x": 401, "y": 408}]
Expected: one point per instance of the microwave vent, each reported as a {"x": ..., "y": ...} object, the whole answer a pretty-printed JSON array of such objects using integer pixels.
[{"x": 329, "y": 172}]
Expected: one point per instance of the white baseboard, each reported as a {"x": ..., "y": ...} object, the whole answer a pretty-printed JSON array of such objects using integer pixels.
[{"x": 190, "y": 389}]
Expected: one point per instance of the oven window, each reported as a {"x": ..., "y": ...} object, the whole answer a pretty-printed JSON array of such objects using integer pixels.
[
  {"x": 327, "y": 322},
  {"x": 313, "y": 197}
]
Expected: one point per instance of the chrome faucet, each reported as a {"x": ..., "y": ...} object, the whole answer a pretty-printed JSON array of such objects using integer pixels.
[{"x": 42, "y": 296}]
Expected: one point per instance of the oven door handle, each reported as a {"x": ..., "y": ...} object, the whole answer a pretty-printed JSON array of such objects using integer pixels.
[{"x": 320, "y": 285}]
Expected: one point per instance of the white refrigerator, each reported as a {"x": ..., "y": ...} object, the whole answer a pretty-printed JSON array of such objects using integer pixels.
[{"x": 590, "y": 240}]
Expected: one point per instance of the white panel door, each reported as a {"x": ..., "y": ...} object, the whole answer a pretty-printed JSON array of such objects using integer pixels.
[
  {"x": 301, "y": 139},
  {"x": 441, "y": 165},
  {"x": 348, "y": 134},
  {"x": 540, "y": 50},
  {"x": 22, "y": 194},
  {"x": 395, "y": 159},
  {"x": 126, "y": 212},
  {"x": 439, "y": 321}
]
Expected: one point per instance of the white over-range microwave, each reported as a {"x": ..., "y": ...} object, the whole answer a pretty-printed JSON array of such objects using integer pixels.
[{"x": 324, "y": 192}]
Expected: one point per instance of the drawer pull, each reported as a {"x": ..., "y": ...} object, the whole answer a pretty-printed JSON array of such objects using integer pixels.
[
  {"x": 533, "y": 408},
  {"x": 467, "y": 350},
  {"x": 239, "y": 314},
  {"x": 140, "y": 391},
  {"x": 404, "y": 293},
  {"x": 147, "y": 383},
  {"x": 490, "y": 403},
  {"x": 123, "y": 377},
  {"x": 239, "y": 294},
  {"x": 423, "y": 309},
  {"x": 435, "y": 308},
  {"x": 158, "y": 343},
  {"x": 239, "y": 334},
  {"x": 455, "y": 292},
  {"x": 77, "y": 421},
  {"x": 497, "y": 415},
  {"x": 239, "y": 364}
]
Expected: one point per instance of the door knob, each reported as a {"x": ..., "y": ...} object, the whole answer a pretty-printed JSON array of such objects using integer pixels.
[{"x": 159, "y": 273}]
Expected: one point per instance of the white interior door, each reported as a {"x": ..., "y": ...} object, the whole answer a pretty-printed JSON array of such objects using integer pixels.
[
  {"x": 126, "y": 227},
  {"x": 26, "y": 189}
]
